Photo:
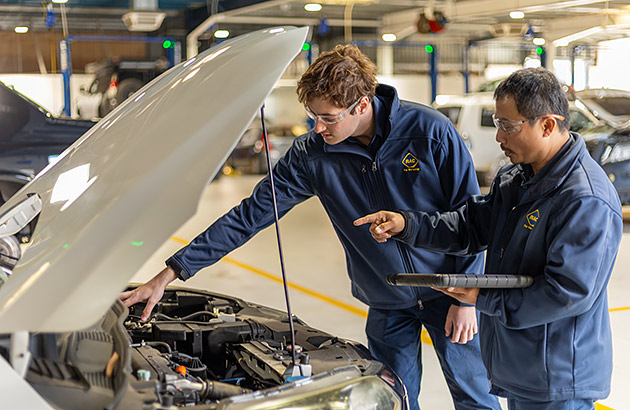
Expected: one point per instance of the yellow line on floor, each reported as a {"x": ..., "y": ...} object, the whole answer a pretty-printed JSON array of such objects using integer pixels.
[
  {"x": 599, "y": 406},
  {"x": 619, "y": 309},
  {"x": 345, "y": 306},
  {"x": 317, "y": 295}
]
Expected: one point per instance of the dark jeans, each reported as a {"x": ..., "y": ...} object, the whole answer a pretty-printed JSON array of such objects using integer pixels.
[{"x": 394, "y": 338}]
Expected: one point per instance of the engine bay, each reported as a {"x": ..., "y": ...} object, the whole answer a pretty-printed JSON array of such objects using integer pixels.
[{"x": 196, "y": 349}]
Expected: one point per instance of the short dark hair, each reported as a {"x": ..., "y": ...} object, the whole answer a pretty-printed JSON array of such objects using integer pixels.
[
  {"x": 340, "y": 76},
  {"x": 536, "y": 92}
]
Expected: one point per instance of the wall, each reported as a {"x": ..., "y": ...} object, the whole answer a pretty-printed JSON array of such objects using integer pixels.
[
  {"x": 18, "y": 51},
  {"x": 281, "y": 107},
  {"x": 47, "y": 89},
  {"x": 613, "y": 59}
]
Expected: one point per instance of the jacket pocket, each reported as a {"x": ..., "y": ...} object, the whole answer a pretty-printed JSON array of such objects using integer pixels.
[{"x": 519, "y": 358}]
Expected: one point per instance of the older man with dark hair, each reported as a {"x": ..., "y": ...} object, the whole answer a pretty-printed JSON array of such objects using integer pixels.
[
  {"x": 367, "y": 150},
  {"x": 553, "y": 214}
]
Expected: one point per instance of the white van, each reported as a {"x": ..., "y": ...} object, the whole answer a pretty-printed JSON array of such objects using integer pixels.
[{"x": 472, "y": 116}]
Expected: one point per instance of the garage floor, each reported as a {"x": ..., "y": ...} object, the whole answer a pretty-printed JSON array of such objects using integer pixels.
[{"x": 319, "y": 287}]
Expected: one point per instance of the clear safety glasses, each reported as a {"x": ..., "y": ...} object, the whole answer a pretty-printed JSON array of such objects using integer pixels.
[
  {"x": 330, "y": 119},
  {"x": 511, "y": 126}
]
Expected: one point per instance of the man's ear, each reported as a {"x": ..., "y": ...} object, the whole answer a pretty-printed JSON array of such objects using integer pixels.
[
  {"x": 363, "y": 105},
  {"x": 549, "y": 125}
]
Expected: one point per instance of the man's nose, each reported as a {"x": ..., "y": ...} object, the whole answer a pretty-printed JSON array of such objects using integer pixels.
[
  {"x": 319, "y": 126},
  {"x": 499, "y": 137}
]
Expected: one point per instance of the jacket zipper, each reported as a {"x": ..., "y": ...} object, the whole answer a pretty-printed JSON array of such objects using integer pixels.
[
  {"x": 384, "y": 203},
  {"x": 367, "y": 184}
]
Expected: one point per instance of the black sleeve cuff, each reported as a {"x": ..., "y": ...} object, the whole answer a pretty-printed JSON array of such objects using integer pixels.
[
  {"x": 179, "y": 270},
  {"x": 404, "y": 235}
]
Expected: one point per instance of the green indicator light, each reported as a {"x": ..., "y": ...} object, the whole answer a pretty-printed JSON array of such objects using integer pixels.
[
  {"x": 65, "y": 246},
  {"x": 137, "y": 243},
  {"x": 540, "y": 50},
  {"x": 306, "y": 46},
  {"x": 428, "y": 48},
  {"x": 167, "y": 44}
]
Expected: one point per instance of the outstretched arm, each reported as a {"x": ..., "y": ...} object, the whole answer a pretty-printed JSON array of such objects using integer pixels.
[{"x": 151, "y": 292}]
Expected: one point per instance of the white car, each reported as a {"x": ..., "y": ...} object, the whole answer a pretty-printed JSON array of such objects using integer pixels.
[
  {"x": 107, "y": 204},
  {"x": 472, "y": 116},
  {"x": 612, "y": 106}
]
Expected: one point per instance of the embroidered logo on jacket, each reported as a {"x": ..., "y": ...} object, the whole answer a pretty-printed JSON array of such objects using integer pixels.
[
  {"x": 532, "y": 218},
  {"x": 410, "y": 163}
]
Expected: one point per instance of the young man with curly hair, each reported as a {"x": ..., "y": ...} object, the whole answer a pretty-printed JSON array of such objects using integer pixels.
[{"x": 366, "y": 151}]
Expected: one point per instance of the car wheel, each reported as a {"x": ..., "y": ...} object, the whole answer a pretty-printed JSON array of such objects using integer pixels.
[
  {"x": 10, "y": 251},
  {"x": 126, "y": 88}
]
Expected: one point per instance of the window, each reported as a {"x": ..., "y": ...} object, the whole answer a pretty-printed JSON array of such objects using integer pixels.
[
  {"x": 486, "y": 117},
  {"x": 451, "y": 112},
  {"x": 578, "y": 121}
]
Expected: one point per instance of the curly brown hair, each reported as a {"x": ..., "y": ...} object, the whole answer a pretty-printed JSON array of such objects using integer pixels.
[{"x": 340, "y": 76}]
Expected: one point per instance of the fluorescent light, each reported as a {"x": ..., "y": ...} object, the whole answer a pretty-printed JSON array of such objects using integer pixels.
[
  {"x": 21, "y": 29},
  {"x": 59, "y": 1},
  {"x": 442, "y": 99},
  {"x": 312, "y": 7},
  {"x": 389, "y": 37},
  {"x": 221, "y": 34},
  {"x": 517, "y": 14},
  {"x": 564, "y": 41},
  {"x": 539, "y": 41}
]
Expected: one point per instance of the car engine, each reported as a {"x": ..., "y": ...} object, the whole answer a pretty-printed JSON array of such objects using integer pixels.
[{"x": 196, "y": 349}]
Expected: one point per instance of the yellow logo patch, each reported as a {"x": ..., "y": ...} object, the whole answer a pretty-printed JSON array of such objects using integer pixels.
[
  {"x": 410, "y": 163},
  {"x": 532, "y": 218}
]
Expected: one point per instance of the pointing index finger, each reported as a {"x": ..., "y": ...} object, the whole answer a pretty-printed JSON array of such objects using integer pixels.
[{"x": 366, "y": 219}]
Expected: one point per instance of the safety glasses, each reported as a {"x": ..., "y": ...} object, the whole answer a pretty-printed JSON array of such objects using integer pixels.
[
  {"x": 330, "y": 119},
  {"x": 510, "y": 126}
]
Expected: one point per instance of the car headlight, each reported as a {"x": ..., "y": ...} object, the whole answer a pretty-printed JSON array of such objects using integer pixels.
[
  {"x": 346, "y": 390},
  {"x": 618, "y": 153}
]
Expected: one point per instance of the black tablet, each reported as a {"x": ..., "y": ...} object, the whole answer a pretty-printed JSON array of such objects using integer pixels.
[{"x": 452, "y": 280}]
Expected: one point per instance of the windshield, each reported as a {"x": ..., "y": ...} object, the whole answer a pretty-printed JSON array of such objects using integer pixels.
[{"x": 614, "y": 105}]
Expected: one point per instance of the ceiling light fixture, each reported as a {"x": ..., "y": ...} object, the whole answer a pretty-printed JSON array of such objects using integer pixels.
[
  {"x": 21, "y": 29},
  {"x": 312, "y": 7},
  {"x": 389, "y": 37},
  {"x": 59, "y": 1},
  {"x": 517, "y": 14},
  {"x": 221, "y": 34},
  {"x": 539, "y": 41},
  {"x": 143, "y": 20},
  {"x": 564, "y": 41}
]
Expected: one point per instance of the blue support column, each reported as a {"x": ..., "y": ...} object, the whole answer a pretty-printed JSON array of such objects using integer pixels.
[
  {"x": 572, "y": 51},
  {"x": 466, "y": 71},
  {"x": 65, "y": 61},
  {"x": 433, "y": 60}
]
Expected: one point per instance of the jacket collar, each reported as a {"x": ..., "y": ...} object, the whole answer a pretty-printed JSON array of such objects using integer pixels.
[{"x": 556, "y": 171}]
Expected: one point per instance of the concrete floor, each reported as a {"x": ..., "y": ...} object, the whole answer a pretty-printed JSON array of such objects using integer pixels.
[{"x": 319, "y": 287}]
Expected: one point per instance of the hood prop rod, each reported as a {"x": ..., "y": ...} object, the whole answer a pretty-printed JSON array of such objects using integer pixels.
[{"x": 295, "y": 370}]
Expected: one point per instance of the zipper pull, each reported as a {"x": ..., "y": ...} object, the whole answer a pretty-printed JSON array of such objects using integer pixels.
[
  {"x": 374, "y": 166},
  {"x": 364, "y": 169}
]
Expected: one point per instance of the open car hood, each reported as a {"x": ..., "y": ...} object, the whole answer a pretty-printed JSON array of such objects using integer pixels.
[{"x": 117, "y": 194}]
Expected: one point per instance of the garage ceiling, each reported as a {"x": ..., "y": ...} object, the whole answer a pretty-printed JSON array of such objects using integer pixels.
[{"x": 357, "y": 19}]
